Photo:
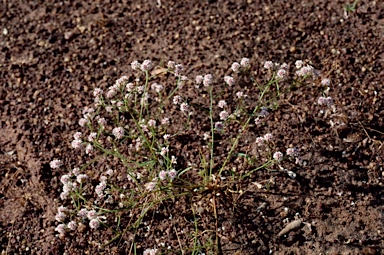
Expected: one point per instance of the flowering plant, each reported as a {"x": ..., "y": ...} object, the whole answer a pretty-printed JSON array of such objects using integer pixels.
[{"x": 132, "y": 135}]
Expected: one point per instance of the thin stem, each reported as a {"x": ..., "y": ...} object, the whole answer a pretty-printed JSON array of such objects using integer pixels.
[{"x": 211, "y": 160}]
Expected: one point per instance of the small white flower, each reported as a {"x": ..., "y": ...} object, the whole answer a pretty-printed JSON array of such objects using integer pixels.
[
  {"x": 184, "y": 107},
  {"x": 235, "y": 67},
  {"x": 278, "y": 156},
  {"x": 94, "y": 223},
  {"x": 163, "y": 175},
  {"x": 222, "y": 103},
  {"x": 244, "y": 62},
  {"x": 56, "y": 163},
  {"x": 118, "y": 132}
]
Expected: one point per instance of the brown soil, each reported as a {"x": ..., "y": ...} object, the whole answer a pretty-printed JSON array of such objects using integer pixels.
[{"x": 54, "y": 54}]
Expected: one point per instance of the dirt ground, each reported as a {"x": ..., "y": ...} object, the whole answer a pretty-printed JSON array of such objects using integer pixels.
[{"x": 54, "y": 53}]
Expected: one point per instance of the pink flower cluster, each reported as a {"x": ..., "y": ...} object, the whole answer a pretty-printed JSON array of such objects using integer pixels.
[
  {"x": 328, "y": 101},
  {"x": 294, "y": 153},
  {"x": 222, "y": 103},
  {"x": 224, "y": 115},
  {"x": 244, "y": 63},
  {"x": 177, "y": 100},
  {"x": 282, "y": 70},
  {"x": 68, "y": 184},
  {"x": 177, "y": 68},
  {"x": 262, "y": 139},
  {"x": 56, "y": 163},
  {"x": 304, "y": 70},
  {"x": 229, "y": 80},
  {"x": 88, "y": 114},
  {"x": 118, "y": 132},
  {"x": 99, "y": 189},
  {"x": 92, "y": 216},
  {"x": 206, "y": 80},
  {"x": 60, "y": 217},
  {"x": 219, "y": 125},
  {"x": 150, "y": 251},
  {"x": 61, "y": 214},
  {"x": 184, "y": 107},
  {"x": 325, "y": 82},
  {"x": 171, "y": 174},
  {"x": 157, "y": 87},
  {"x": 145, "y": 66},
  {"x": 278, "y": 156}
]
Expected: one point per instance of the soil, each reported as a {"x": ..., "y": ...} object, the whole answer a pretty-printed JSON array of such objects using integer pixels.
[{"x": 54, "y": 53}]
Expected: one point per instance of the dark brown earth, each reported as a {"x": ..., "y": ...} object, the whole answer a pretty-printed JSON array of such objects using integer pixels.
[{"x": 53, "y": 54}]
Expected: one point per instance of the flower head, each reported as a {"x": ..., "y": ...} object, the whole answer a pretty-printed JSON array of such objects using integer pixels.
[
  {"x": 92, "y": 214},
  {"x": 259, "y": 141},
  {"x": 135, "y": 65},
  {"x": 72, "y": 225},
  {"x": 61, "y": 228},
  {"x": 83, "y": 213},
  {"x": 94, "y": 223},
  {"x": 268, "y": 137},
  {"x": 178, "y": 69},
  {"x": 244, "y": 62},
  {"x": 121, "y": 81},
  {"x": 150, "y": 251},
  {"x": 223, "y": 115},
  {"x": 83, "y": 122},
  {"x": 118, "y": 132},
  {"x": 146, "y": 65},
  {"x": 56, "y": 163},
  {"x": 268, "y": 65},
  {"x": 281, "y": 73},
  {"x": 299, "y": 64},
  {"x": 177, "y": 99},
  {"x": 184, "y": 107},
  {"x": 235, "y": 67},
  {"x": 60, "y": 216},
  {"x": 199, "y": 79},
  {"x": 89, "y": 149},
  {"x": 77, "y": 144},
  {"x": 172, "y": 174},
  {"x": 77, "y": 135},
  {"x": 222, "y": 103},
  {"x": 278, "y": 156},
  {"x": 207, "y": 80},
  {"x": 229, "y": 80},
  {"x": 292, "y": 152},
  {"x": 157, "y": 87},
  {"x": 81, "y": 178},
  {"x": 219, "y": 125},
  {"x": 163, "y": 175},
  {"x": 171, "y": 65},
  {"x": 65, "y": 179},
  {"x": 257, "y": 121},
  {"x": 325, "y": 82},
  {"x": 152, "y": 123},
  {"x": 150, "y": 186},
  {"x": 164, "y": 151},
  {"x": 240, "y": 94},
  {"x": 284, "y": 66},
  {"x": 165, "y": 121}
]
